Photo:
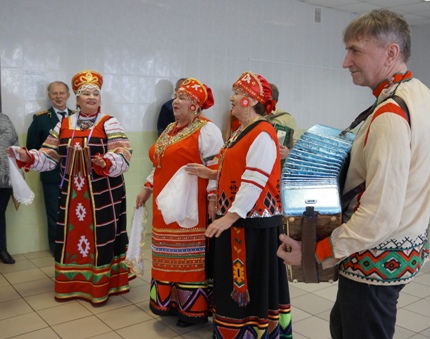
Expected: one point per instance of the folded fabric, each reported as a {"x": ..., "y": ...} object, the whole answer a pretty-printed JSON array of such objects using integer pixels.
[
  {"x": 134, "y": 256},
  {"x": 178, "y": 200},
  {"x": 21, "y": 192}
]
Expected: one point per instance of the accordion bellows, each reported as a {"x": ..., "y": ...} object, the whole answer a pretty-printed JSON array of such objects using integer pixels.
[{"x": 311, "y": 183}]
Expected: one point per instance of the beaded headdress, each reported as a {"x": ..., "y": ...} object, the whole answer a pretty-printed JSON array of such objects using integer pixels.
[
  {"x": 86, "y": 79},
  {"x": 197, "y": 91},
  {"x": 258, "y": 88}
]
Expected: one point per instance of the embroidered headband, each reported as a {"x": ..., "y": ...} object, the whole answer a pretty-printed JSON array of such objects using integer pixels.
[
  {"x": 198, "y": 92},
  {"x": 258, "y": 88}
]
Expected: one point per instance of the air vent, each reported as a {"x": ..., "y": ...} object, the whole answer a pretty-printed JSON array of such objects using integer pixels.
[{"x": 317, "y": 15}]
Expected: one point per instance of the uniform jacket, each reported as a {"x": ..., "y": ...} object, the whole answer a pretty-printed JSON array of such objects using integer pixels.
[{"x": 43, "y": 123}]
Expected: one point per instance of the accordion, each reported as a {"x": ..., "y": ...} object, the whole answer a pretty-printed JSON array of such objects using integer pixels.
[{"x": 311, "y": 183}]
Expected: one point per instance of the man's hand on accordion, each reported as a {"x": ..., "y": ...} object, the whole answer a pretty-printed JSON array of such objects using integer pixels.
[{"x": 290, "y": 250}]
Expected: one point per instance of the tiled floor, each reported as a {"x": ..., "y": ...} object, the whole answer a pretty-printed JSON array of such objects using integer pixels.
[{"x": 28, "y": 308}]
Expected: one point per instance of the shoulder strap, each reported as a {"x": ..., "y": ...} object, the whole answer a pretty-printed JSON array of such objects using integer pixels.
[
  {"x": 403, "y": 106},
  {"x": 347, "y": 197},
  {"x": 271, "y": 117}
]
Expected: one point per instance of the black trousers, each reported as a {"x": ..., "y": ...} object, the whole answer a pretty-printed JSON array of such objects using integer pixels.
[
  {"x": 5, "y": 194},
  {"x": 364, "y": 311},
  {"x": 51, "y": 194}
]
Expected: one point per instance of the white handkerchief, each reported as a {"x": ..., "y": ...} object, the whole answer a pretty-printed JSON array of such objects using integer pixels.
[
  {"x": 134, "y": 256},
  {"x": 21, "y": 192},
  {"x": 178, "y": 200}
]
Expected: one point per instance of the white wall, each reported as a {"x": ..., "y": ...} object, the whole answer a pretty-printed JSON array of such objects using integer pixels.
[
  {"x": 138, "y": 44},
  {"x": 143, "y": 46}
]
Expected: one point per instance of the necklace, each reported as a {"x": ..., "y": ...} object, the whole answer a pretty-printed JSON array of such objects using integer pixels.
[
  {"x": 173, "y": 135},
  {"x": 230, "y": 142},
  {"x": 239, "y": 131},
  {"x": 86, "y": 124}
]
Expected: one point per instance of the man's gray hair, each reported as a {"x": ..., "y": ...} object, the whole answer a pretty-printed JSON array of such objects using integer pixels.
[{"x": 385, "y": 26}]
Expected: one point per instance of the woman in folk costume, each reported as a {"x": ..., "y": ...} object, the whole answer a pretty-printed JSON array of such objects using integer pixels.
[
  {"x": 94, "y": 152},
  {"x": 251, "y": 296},
  {"x": 181, "y": 204}
]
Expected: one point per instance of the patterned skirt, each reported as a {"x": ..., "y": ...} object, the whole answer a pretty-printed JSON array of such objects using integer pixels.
[
  {"x": 91, "y": 240},
  {"x": 268, "y": 313}
]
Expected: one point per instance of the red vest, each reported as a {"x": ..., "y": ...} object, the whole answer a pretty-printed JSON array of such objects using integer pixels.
[{"x": 233, "y": 165}]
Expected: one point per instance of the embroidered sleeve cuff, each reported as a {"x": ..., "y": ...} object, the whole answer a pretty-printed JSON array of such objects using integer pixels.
[
  {"x": 324, "y": 250},
  {"x": 26, "y": 165},
  {"x": 148, "y": 185},
  {"x": 104, "y": 172}
]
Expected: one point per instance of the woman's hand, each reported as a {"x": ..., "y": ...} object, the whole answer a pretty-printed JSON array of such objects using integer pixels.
[
  {"x": 201, "y": 171},
  {"x": 143, "y": 197},
  {"x": 290, "y": 250},
  {"x": 283, "y": 152},
  {"x": 18, "y": 154},
  {"x": 212, "y": 209},
  {"x": 220, "y": 225},
  {"x": 99, "y": 161}
]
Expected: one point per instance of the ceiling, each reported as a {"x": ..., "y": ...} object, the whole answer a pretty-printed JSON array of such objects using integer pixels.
[{"x": 416, "y": 12}]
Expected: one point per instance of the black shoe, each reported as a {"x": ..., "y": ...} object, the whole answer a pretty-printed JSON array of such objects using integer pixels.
[
  {"x": 6, "y": 258},
  {"x": 183, "y": 324}
]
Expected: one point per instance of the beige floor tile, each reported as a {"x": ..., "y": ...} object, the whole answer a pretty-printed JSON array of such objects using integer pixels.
[
  {"x": 18, "y": 266},
  {"x": 416, "y": 289},
  {"x": 426, "y": 268},
  {"x": 21, "y": 324},
  {"x": 19, "y": 257},
  {"x": 49, "y": 271},
  {"x": 423, "y": 279},
  {"x": 172, "y": 320},
  {"x": 145, "y": 306},
  {"x": 64, "y": 312},
  {"x": 137, "y": 294},
  {"x": 151, "y": 328},
  {"x": 3, "y": 281},
  {"x": 298, "y": 336},
  {"x": 203, "y": 332},
  {"x": 296, "y": 291},
  {"x": 417, "y": 336},
  {"x": 402, "y": 333},
  {"x": 312, "y": 328},
  {"x": 43, "y": 262},
  {"x": 312, "y": 303},
  {"x": 8, "y": 293},
  {"x": 406, "y": 299},
  {"x": 298, "y": 314},
  {"x": 12, "y": 308},
  {"x": 35, "y": 287},
  {"x": 25, "y": 276},
  {"x": 421, "y": 307},
  {"x": 426, "y": 332},
  {"x": 38, "y": 254},
  {"x": 312, "y": 287},
  {"x": 109, "y": 335},
  {"x": 412, "y": 321},
  {"x": 147, "y": 273},
  {"x": 137, "y": 282},
  {"x": 324, "y": 315},
  {"x": 130, "y": 315},
  {"x": 328, "y": 293},
  {"x": 46, "y": 333},
  {"x": 114, "y": 302},
  {"x": 43, "y": 300},
  {"x": 82, "y": 328},
  {"x": 29, "y": 316}
]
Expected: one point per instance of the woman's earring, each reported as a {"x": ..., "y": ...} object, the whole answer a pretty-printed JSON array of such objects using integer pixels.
[
  {"x": 193, "y": 108},
  {"x": 244, "y": 102}
]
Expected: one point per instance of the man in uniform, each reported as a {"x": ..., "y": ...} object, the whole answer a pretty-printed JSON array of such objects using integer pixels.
[{"x": 43, "y": 123}]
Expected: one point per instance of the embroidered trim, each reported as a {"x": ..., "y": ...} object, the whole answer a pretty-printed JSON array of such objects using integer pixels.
[{"x": 168, "y": 137}]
